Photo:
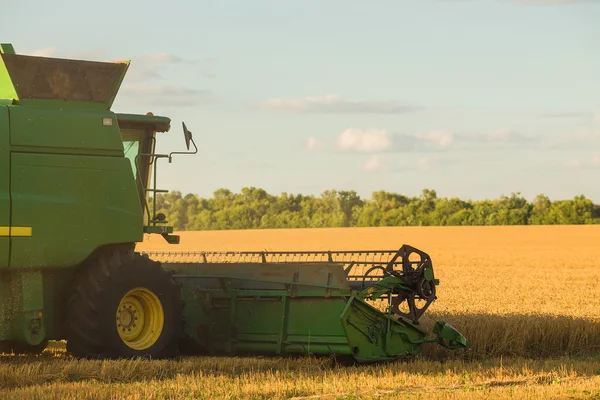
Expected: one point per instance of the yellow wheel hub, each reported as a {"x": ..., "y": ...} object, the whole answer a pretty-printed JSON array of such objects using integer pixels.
[{"x": 140, "y": 318}]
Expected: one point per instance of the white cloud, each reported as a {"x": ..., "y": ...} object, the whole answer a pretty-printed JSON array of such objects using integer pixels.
[
  {"x": 581, "y": 138},
  {"x": 588, "y": 163},
  {"x": 137, "y": 73},
  {"x": 585, "y": 134},
  {"x": 378, "y": 140},
  {"x": 43, "y": 52},
  {"x": 364, "y": 140},
  {"x": 313, "y": 144},
  {"x": 501, "y": 135},
  {"x": 142, "y": 68},
  {"x": 151, "y": 66},
  {"x": 565, "y": 114},
  {"x": 597, "y": 118},
  {"x": 425, "y": 163},
  {"x": 160, "y": 58},
  {"x": 336, "y": 104},
  {"x": 573, "y": 164},
  {"x": 438, "y": 138},
  {"x": 381, "y": 163},
  {"x": 495, "y": 139},
  {"x": 377, "y": 163},
  {"x": 163, "y": 90},
  {"x": 97, "y": 54},
  {"x": 163, "y": 95},
  {"x": 432, "y": 163}
]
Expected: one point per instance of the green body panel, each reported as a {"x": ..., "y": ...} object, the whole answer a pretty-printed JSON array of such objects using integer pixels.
[
  {"x": 28, "y": 311},
  {"x": 4, "y": 187},
  {"x": 7, "y": 48},
  {"x": 24, "y": 294},
  {"x": 264, "y": 308},
  {"x": 6, "y": 298},
  {"x": 374, "y": 335},
  {"x": 74, "y": 205},
  {"x": 65, "y": 131},
  {"x": 21, "y": 307}
]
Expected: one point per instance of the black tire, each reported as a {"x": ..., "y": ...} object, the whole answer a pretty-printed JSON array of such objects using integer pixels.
[{"x": 92, "y": 308}]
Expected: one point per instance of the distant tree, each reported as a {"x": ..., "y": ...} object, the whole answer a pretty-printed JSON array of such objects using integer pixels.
[
  {"x": 540, "y": 209},
  {"x": 513, "y": 210},
  {"x": 254, "y": 208}
]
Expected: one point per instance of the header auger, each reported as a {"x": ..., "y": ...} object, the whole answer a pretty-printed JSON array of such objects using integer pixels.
[{"x": 74, "y": 201}]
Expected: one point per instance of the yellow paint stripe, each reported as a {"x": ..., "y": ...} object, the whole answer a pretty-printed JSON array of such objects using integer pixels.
[{"x": 22, "y": 231}]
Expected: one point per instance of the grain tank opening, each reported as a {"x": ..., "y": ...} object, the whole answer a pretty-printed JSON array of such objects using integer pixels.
[{"x": 25, "y": 77}]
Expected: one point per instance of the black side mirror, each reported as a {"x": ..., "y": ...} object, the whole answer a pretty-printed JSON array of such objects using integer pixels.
[
  {"x": 188, "y": 139},
  {"x": 187, "y": 135}
]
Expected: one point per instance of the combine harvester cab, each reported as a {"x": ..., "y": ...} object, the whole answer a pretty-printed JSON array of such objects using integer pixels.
[
  {"x": 74, "y": 201},
  {"x": 308, "y": 302}
]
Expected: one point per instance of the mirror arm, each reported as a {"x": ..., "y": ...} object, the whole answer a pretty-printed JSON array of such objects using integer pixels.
[{"x": 184, "y": 152}]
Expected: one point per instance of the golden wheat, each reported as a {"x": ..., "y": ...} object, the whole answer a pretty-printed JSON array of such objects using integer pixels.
[
  {"x": 512, "y": 290},
  {"x": 56, "y": 376}
]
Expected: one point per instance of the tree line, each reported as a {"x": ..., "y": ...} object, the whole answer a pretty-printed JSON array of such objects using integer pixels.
[{"x": 254, "y": 208}]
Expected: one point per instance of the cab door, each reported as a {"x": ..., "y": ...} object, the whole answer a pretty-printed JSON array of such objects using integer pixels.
[{"x": 4, "y": 187}]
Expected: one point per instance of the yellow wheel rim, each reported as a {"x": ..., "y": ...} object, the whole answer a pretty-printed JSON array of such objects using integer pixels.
[{"x": 140, "y": 318}]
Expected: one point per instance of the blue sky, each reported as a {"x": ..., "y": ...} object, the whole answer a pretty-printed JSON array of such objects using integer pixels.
[{"x": 472, "y": 98}]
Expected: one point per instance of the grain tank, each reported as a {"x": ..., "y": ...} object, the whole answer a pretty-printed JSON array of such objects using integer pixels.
[{"x": 74, "y": 189}]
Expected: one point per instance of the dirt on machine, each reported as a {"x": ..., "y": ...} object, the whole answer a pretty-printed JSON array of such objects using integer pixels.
[{"x": 78, "y": 192}]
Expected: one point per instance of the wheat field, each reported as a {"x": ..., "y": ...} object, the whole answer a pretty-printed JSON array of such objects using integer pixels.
[
  {"x": 527, "y": 298},
  {"x": 512, "y": 290}
]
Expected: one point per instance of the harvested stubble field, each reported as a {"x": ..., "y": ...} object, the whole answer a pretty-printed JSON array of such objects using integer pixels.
[{"x": 528, "y": 299}]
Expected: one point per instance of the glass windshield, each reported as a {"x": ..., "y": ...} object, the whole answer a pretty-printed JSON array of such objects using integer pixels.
[
  {"x": 132, "y": 139},
  {"x": 131, "y": 148},
  {"x": 138, "y": 141}
]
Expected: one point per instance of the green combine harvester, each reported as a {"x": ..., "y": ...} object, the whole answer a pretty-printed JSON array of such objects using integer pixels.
[{"x": 75, "y": 200}]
